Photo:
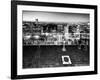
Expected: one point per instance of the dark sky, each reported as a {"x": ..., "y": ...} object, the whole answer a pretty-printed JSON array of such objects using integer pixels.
[{"x": 55, "y": 16}]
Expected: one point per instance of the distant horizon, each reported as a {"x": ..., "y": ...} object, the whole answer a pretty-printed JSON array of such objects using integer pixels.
[
  {"x": 55, "y": 22},
  {"x": 57, "y": 17}
]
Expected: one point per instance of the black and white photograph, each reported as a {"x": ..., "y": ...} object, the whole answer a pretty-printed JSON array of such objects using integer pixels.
[{"x": 55, "y": 39}]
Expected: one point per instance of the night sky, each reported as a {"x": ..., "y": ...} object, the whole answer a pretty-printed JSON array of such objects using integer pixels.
[{"x": 55, "y": 16}]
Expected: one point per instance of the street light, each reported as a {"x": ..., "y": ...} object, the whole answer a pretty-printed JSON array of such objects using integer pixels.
[{"x": 64, "y": 48}]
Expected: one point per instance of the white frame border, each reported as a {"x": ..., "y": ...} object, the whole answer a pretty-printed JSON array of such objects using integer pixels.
[{"x": 21, "y": 71}]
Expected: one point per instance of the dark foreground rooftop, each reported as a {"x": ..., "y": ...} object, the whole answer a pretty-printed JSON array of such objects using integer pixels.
[{"x": 51, "y": 56}]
